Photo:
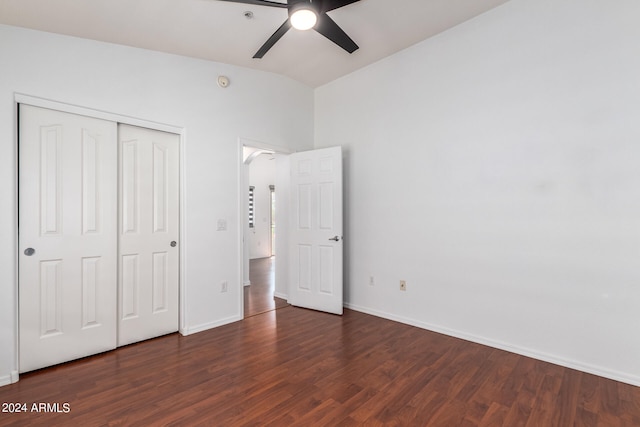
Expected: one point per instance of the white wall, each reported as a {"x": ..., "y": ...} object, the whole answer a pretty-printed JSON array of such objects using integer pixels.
[
  {"x": 262, "y": 174},
  {"x": 495, "y": 167},
  {"x": 162, "y": 88}
]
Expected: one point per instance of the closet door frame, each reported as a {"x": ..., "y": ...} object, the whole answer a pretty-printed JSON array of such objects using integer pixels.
[{"x": 118, "y": 118}]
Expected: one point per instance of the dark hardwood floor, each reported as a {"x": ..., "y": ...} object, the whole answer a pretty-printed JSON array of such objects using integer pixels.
[
  {"x": 258, "y": 297},
  {"x": 297, "y": 367}
]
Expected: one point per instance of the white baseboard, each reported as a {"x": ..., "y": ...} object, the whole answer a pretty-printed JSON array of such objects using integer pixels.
[
  {"x": 9, "y": 379},
  {"x": 210, "y": 325},
  {"x": 5, "y": 380},
  {"x": 281, "y": 295},
  {"x": 545, "y": 357}
]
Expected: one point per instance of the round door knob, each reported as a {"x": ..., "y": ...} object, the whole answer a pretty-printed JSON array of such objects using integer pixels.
[
  {"x": 29, "y": 251},
  {"x": 173, "y": 243}
]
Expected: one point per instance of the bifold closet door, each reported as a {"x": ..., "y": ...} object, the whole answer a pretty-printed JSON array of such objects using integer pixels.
[
  {"x": 67, "y": 236},
  {"x": 149, "y": 235}
]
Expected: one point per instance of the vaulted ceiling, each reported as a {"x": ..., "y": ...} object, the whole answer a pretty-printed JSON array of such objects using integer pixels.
[{"x": 219, "y": 31}]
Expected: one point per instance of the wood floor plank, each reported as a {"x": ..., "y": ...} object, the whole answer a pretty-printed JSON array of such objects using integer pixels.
[
  {"x": 276, "y": 369},
  {"x": 494, "y": 416}
]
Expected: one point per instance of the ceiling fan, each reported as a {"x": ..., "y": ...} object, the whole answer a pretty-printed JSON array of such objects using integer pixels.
[{"x": 304, "y": 15}]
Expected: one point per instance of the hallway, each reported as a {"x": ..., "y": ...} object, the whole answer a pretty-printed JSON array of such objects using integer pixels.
[{"x": 258, "y": 297}]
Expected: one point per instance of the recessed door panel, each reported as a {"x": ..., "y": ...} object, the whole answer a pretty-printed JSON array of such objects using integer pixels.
[
  {"x": 129, "y": 186},
  {"x": 304, "y": 267},
  {"x": 160, "y": 282},
  {"x": 325, "y": 206},
  {"x": 304, "y": 213},
  {"x": 160, "y": 188},
  {"x": 90, "y": 292},
  {"x": 129, "y": 291},
  {"x": 325, "y": 276},
  {"x": 90, "y": 183},
  {"x": 50, "y": 298},
  {"x": 50, "y": 206}
]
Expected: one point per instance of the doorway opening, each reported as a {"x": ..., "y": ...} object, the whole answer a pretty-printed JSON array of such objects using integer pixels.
[
  {"x": 262, "y": 173},
  {"x": 309, "y": 228}
]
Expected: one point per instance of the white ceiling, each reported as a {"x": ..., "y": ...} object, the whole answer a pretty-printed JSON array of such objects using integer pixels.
[{"x": 218, "y": 31}]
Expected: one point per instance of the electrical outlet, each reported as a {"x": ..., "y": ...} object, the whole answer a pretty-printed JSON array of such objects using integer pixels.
[
  {"x": 403, "y": 285},
  {"x": 372, "y": 281},
  {"x": 224, "y": 286}
]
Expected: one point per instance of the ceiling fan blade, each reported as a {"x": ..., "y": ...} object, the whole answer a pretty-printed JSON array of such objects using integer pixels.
[
  {"x": 259, "y": 3},
  {"x": 328, "y": 28},
  {"x": 328, "y": 5},
  {"x": 273, "y": 39}
]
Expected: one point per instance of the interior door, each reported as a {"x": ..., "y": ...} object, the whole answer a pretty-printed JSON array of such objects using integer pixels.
[
  {"x": 149, "y": 255},
  {"x": 67, "y": 236},
  {"x": 316, "y": 239}
]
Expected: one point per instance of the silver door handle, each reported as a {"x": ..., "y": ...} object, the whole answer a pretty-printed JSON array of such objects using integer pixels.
[
  {"x": 335, "y": 238},
  {"x": 173, "y": 244},
  {"x": 29, "y": 251}
]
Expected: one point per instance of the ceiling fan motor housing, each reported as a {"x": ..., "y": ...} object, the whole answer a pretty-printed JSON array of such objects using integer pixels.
[{"x": 296, "y": 5}]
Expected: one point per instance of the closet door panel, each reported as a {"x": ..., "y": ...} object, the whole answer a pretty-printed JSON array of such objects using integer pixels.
[
  {"x": 149, "y": 201},
  {"x": 67, "y": 236}
]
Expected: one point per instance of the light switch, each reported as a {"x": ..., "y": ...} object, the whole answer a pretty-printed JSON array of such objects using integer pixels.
[{"x": 222, "y": 225}]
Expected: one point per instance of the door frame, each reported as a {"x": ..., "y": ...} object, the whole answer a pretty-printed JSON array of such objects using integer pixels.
[
  {"x": 241, "y": 220},
  {"x": 272, "y": 220},
  {"x": 20, "y": 98}
]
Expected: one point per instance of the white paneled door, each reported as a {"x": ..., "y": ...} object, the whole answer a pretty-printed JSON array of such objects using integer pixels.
[
  {"x": 68, "y": 236},
  {"x": 98, "y": 235},
  {"x": 148, "y": 282},
  {"x": 316, "y": 240}
]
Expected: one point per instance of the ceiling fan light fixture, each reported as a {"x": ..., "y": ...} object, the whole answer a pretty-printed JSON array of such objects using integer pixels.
[
  {"x": 305, "y": 15},
  {"x": 303, "y": 19}
]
